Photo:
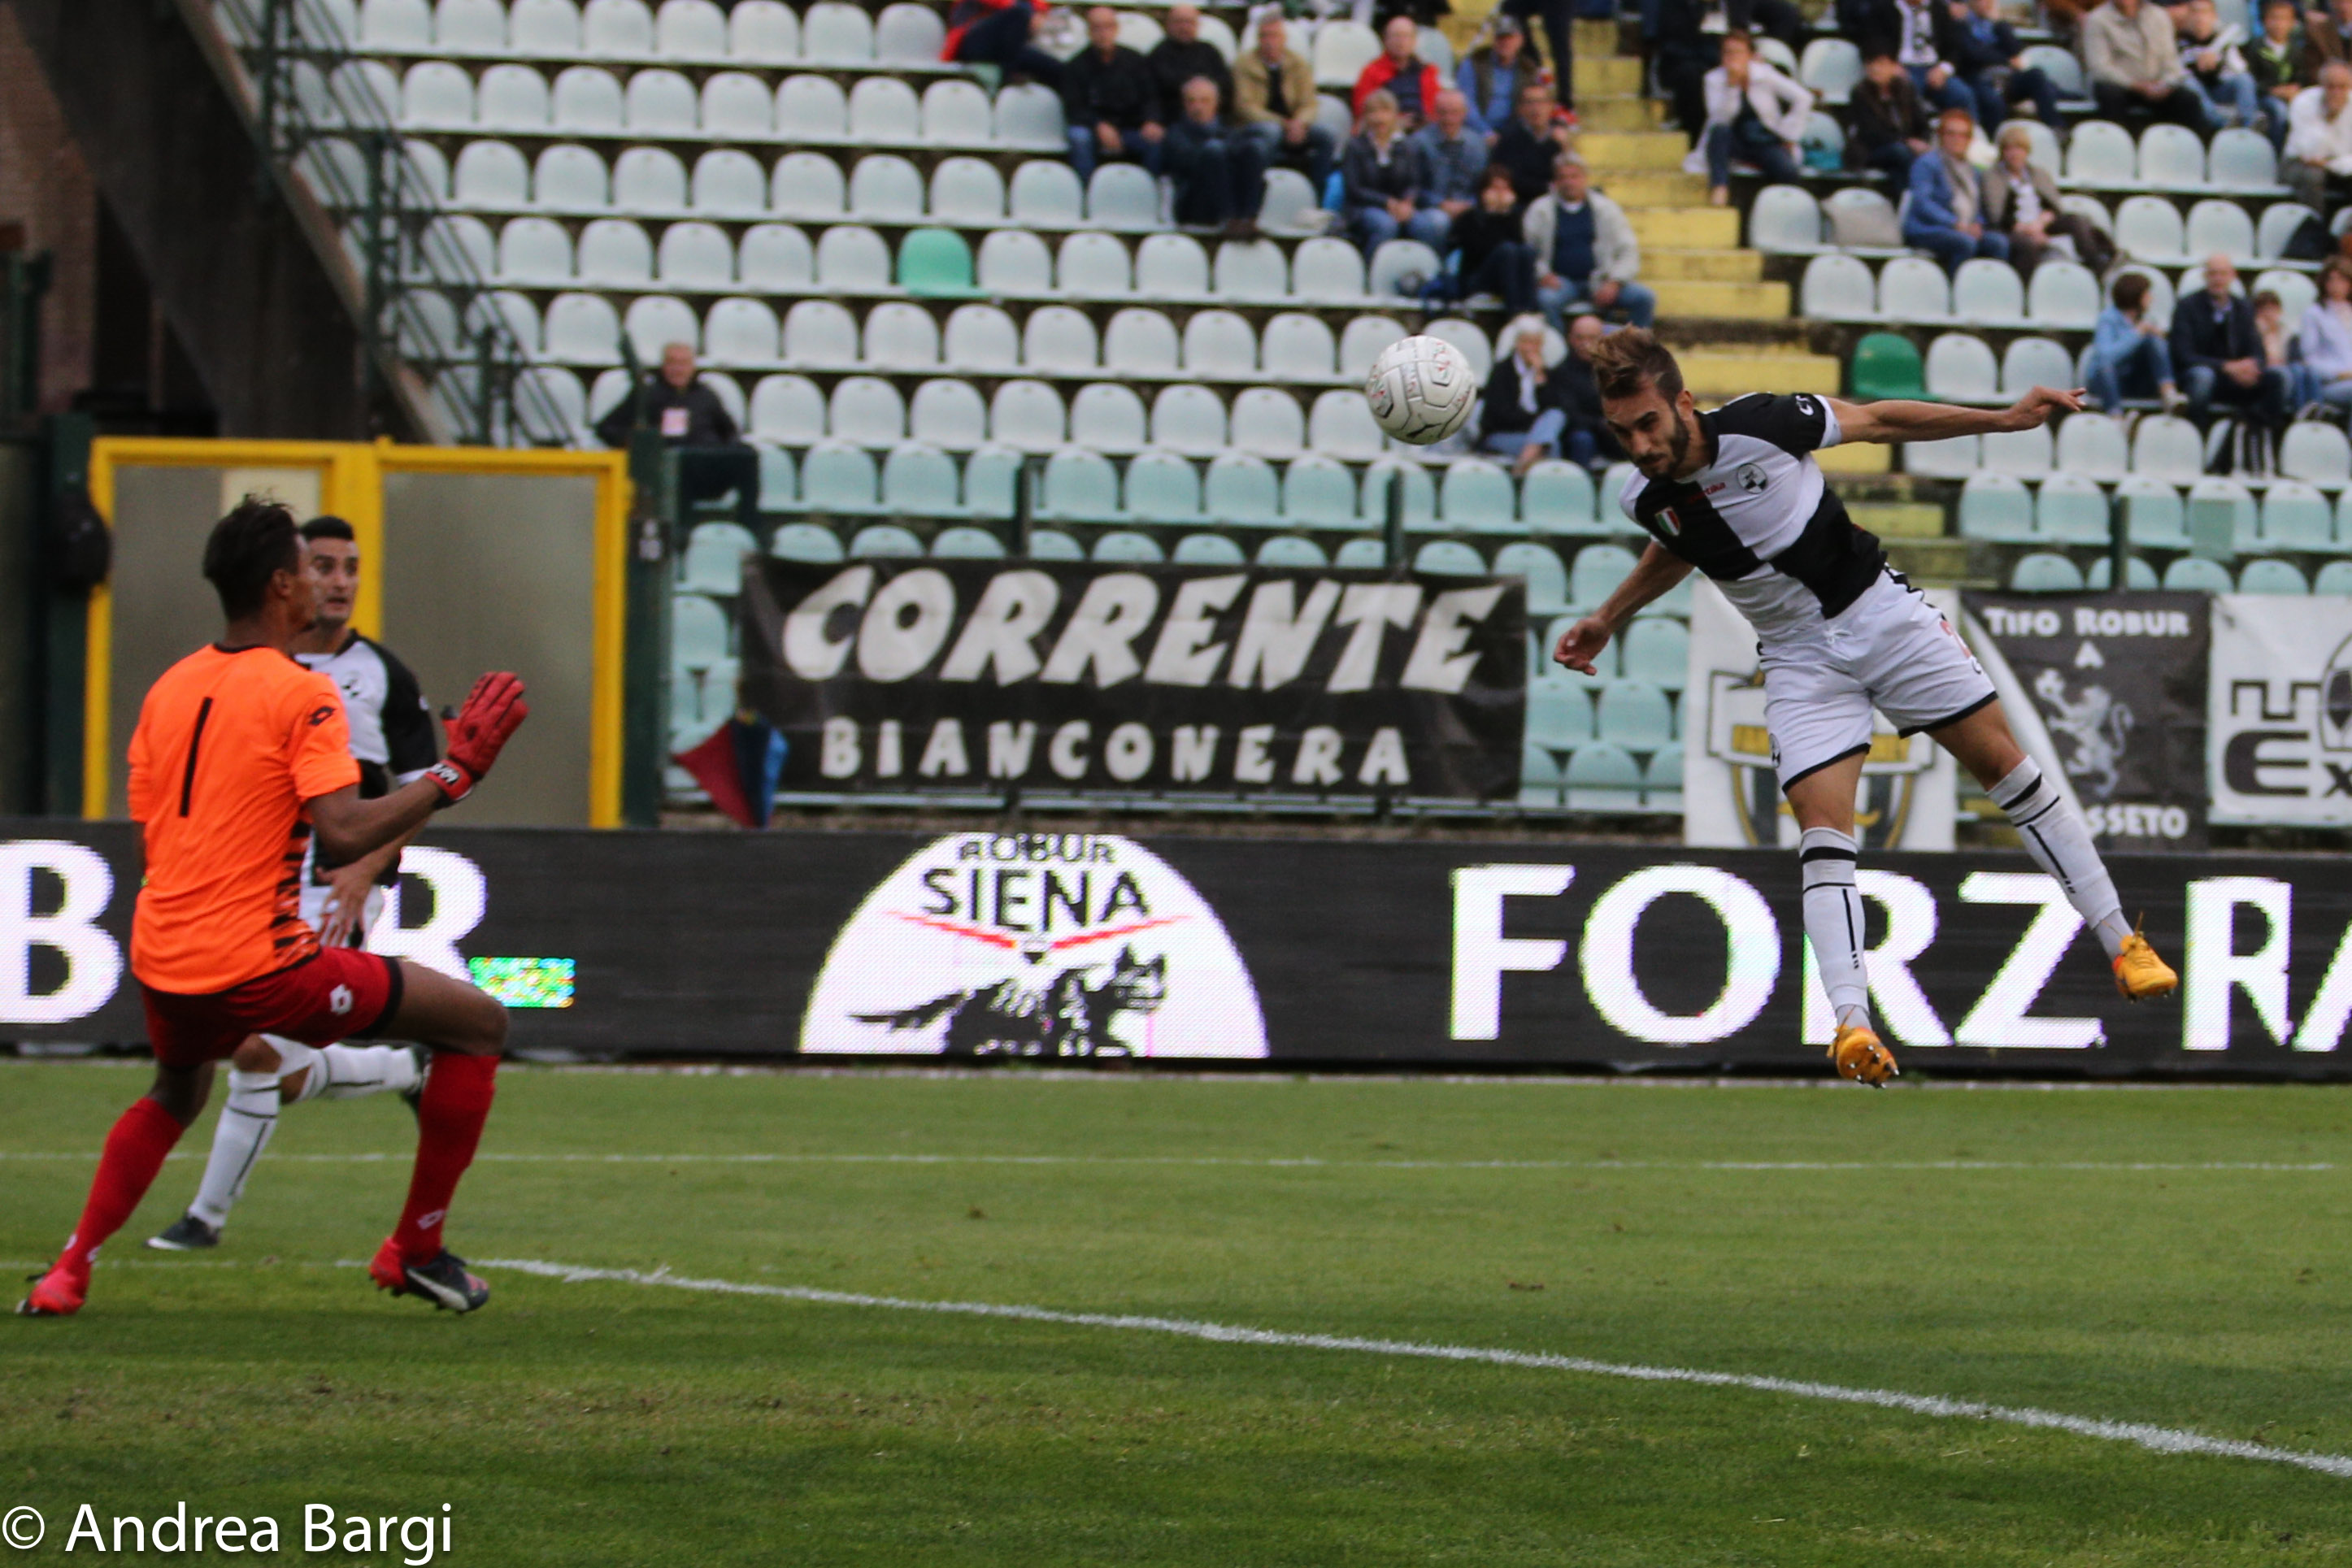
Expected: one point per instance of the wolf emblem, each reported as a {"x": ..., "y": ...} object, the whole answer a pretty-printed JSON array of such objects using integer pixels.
[
  {"x": 1065, "y": 1016},
  {"x": 2097, "y": 725}
]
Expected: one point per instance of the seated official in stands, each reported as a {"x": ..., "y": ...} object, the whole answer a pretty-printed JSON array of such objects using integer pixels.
[
  {"x": 1586, "y": 253},
  {"x": 1489, "y": 249},
  {"x": 712, "y": 458},
  {"x": 2020, "y": 200},
  {"x": 1890, "y": 123},
  {"x": 2317, "y": 167},
  {"x": 1946, "y": 212},
  {"x": 1386, "y": 182},
  {"x": 1110, "y": 101},
  {"x": 1220, "y": 178},
  {"x": 1274, "y": 100},
  {"x": 1754, "y": 115},
  {"x": 2133, "y": 59},
  {"x": 2219, "y": 355},
  {"x": 1490, "y": 77},
  {"x": 2131, "y": 355}
]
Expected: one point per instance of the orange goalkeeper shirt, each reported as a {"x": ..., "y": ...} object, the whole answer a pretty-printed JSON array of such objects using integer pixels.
[{"x": 230, "y": 746}]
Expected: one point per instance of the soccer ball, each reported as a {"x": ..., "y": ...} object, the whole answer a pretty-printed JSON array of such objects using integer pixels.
[{"x": 1421, "y": 390}]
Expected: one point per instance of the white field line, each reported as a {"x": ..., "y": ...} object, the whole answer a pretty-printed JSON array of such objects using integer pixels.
[
  {"x": 2161, "y": 1440},
  {"x": 1299, "y": 1163}
]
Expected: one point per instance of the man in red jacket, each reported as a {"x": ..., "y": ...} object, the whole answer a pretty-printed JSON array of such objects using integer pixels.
[{"x": 1410, "y": 78}]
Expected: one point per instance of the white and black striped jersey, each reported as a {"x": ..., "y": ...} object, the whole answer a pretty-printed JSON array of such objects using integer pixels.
[
  {"x": 1759, "y": 518},
  {"x": 393, "y": 738}
]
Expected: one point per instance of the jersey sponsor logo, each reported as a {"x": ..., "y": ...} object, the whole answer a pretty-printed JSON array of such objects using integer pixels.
[
  {"x": 1752, "y": 478},
  {"x": 1806, "y": 406},
  {"x": 1037, "y": 945}
]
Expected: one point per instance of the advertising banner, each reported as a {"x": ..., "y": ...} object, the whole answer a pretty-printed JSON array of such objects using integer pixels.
[
  {"x": 2279, "y": 745},
  {"x": 1731, "y": 796},
  {"x": 2107, "y": 689},
  {"x": 984, "y": 676},
  {"x": 1083, "y": 946}
]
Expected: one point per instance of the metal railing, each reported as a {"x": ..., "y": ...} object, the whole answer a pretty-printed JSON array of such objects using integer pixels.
[{"x": 425, "y": 300}]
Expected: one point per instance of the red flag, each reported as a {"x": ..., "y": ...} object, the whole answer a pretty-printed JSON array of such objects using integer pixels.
[{"x": 714, "y": 766}]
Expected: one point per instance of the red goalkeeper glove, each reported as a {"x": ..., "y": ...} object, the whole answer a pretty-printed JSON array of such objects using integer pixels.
[{"x": 494, "y": 710}]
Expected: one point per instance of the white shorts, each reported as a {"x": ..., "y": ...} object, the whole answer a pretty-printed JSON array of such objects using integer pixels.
[
  {"x": 1891, "y": 650},
  {"x": 314, "y": 911}
]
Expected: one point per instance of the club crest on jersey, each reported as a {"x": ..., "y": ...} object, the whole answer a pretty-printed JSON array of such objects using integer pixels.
[
  {"x": 1752, "y": 477},
  {"x": 1054, "y": 944}
]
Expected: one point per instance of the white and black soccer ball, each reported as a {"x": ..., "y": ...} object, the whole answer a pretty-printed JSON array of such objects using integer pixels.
[{"x": 1421, "y": 390}]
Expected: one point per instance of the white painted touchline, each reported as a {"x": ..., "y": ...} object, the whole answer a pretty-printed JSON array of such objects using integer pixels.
[
  {"x": 1299, "y": 1163},
  {"x": 2162, "y": 1439}
]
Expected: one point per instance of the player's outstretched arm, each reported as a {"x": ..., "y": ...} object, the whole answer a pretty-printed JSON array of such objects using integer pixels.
[
  {"x": 1652, "y": 575},
  {"x": 349, "y": 828},
  {"x": 1899, "y": 418}
]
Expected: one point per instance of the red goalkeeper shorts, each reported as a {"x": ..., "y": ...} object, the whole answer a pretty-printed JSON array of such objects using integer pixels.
[{"x": 340, "y": 994}]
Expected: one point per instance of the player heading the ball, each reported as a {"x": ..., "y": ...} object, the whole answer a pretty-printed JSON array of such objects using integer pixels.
[
  {"x": 241, "y": 758},
  {"x": 1737, "y": 494}
]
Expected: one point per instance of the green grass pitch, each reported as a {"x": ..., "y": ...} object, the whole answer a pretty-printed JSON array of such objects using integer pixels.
[{"x": 2094, "y": 1254}]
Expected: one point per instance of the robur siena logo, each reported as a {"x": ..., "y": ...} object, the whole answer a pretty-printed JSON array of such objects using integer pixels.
[{"x": 1037, "y": 945}]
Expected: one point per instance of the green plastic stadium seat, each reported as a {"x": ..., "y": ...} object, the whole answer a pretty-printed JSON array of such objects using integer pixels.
[
  {"x": 964, "y": 542},
  {"x": 2042, "y": 572},
  {"x": 1053, "y": 544},
  {"x": 805, "y": 541},
  {"x": 2139, "y": 574},
  {"x": 935, "y": 263},
  {"x": 2272, "y": 577},
  {"x": 1886, "y": 364},
  {"x": 1636, "y": 715},
  {"x": 1662, "y": 779},
  {"x": 2195, "y": 574},
  {"x": 1657, "y": 650},
  {"x": 1358, "y": 555},
  {"x": 1602, "y": 778},
  {"x": 1559, "y": 714},
  {"x": 1538, "y": 777}
]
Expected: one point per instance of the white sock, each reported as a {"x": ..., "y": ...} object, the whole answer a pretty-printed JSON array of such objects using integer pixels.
[
  {"x": 2060, "y": 842},
  {"x": 247, "y": 1120},
  {"x": 294, "y": 1057},
  {"x": 1833, "y": 921},
  {"x": 348, "y": 1071}
]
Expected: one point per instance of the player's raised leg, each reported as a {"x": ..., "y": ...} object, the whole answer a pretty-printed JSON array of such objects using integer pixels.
[
  {"x": 1822, "y": 801},
  {"x": 466, "y": 1030},
  {"x": 2060, "y": 842}
]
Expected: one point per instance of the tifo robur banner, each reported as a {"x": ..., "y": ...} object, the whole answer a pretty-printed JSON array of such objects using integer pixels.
[
  {"x": 1731, "y": 793},
  {"x": 985, "y": 677},
  {"x": 1084, "y": 946},
  {"x": 2280, "y": 701},
  {"x": 2109, "y": 690}
]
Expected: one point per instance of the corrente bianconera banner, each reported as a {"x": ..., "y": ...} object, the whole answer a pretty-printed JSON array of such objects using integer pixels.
[
  {"x": 1731, "y": 794},
  {"x": 978, "y": 676},
  {"x": 2110, "y": 688},
  {"x": 1082, "y": 946},
  {"x": 2279, "y": 749}
]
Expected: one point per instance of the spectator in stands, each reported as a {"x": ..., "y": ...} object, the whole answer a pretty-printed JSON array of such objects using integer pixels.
[
  {"x": 1219, "y": 173},
  {"x": 712, "y": 458},
  {"x": 2219, "y": 355},
  {"x": 1521, "y": 418},
  {"x": 1180, "y": 54},
  {"x": 1489, "y": 247},
  {"x": 1947, "y": 214},
  {"x": 1681, "y": 53},
  {"x": 1492, "y": 75},
  {"x": 2216, "y": 69},
  {"x": 2318, "y": 162},
  {"x": 1110, "y": 100},
  {"x": 2021, "y": 201},
  {"x": 1386, "y": 180},
  {"x": 1585, "y": 437},
  {"x": 1401, "y": 73},
  {"x": 2129, "y": 355},
  {"x": 2279, "y": 349},
  {"x": 2277, "y": 61},
  {"x": 1754, "y": 114},
  {"x": 1916, "y": 30},
  {"x": 1530, "y": 145},
  {"x": 1273, "y": 98},
  {"x": 2327, "y": 35},
  {"x": 996, "y": 33},
  {"x": 2325, "y": 335},
  {"x": 1559, "y": 19},
  {"x": 1890, "y": 123},
  {"x": 1585, "y": 250},
  {"x": 1984, "y": 50},
  {"x": 2133, "y": 64},
  {"x": 1455, "y": 155}
]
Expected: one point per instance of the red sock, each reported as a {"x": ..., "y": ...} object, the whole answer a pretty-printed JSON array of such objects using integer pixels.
[
  {"x": 143, "y": 1135},
  {"x": 449, "y": 1119}
]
